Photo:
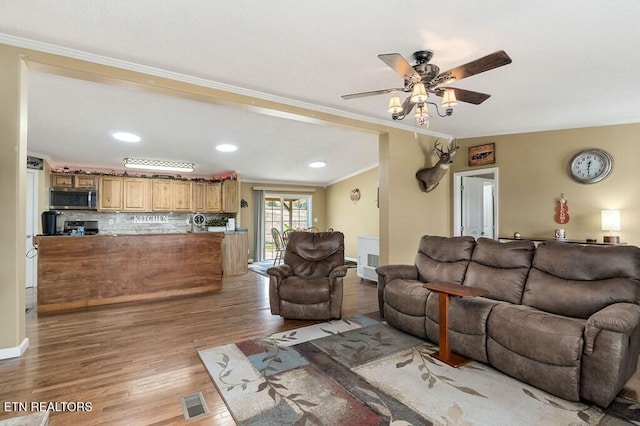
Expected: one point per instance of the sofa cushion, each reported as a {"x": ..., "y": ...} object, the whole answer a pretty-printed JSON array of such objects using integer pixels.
[
  {"x": 578, "y": 281},
  {"x": 305, "y": 291},
  {"x": 467, "y": 324},
  {"x": 537, "y": 335},
  {"x": 500, "y": 268},
  {"x": 442, "y": 259}
]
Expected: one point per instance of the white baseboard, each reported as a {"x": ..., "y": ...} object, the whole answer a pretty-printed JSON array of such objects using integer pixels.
[
  {"x": 14, "y": 352},
  {"x": 351, "y": 259}
]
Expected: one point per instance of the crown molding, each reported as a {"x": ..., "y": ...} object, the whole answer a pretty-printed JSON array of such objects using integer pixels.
[{"x": 157, "y": 72}]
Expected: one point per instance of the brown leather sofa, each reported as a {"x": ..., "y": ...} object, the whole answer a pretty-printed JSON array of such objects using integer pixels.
[
  {"x": 308, "y": 285},
  {"x": 562, "y": 317}
]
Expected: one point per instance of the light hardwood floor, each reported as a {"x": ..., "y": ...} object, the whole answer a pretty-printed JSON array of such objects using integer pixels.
[{"x": 135, "y": 361}]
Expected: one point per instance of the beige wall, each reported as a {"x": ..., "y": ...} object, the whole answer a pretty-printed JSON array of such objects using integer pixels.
[
  {"x": 318, "y": 205},
  {"x": 532, "y": 170},
  {"x": 13, "y": 162},
  {"x": 354, "y": 219},
  {"x": 407, "y": 213}
]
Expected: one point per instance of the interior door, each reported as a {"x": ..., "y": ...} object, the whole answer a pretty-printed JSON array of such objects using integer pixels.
[
  {"x": 477, "y": 207},
  {"x": 475, "y": 203},
  {"x": 32, "y": 228}
]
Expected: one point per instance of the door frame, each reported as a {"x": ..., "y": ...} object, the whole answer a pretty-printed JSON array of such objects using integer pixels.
[
  {"x": 457, "y": 195},
  {"x": 32, "y": 217}
]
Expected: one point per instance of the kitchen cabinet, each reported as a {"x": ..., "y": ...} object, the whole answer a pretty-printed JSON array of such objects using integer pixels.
[
  {"x": 199, "y": 200},
  {"x": 235, "y": 253},
  {"x": 214, "y": 197},
  {"x": 84, "y": 181},
  {"x": 72, "y": 181},
  {"x": 230, "y": 196},
  {"x": 181, "y": 196},
  {"x": 137, "y": 194},
  {"x": 62, "y": 181},
  {"x": 110, "y": 193},
  {"x": 207, "y": 197},
  {"x": 171, "y": 195},
  {"x": 161, "y": 192}
]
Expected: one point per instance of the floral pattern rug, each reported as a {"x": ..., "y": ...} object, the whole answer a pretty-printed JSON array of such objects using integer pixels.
[{"x": 360, "y": 371}]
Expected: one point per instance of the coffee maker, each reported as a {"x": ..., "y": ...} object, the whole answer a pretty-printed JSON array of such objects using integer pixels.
[{"x": 49, "y": 222}]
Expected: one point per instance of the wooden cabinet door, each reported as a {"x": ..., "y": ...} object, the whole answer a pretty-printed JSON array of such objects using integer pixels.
[
  {"x": 110, "y": 193},
  {"x": 62, "y": 181},
  {"x": 214, "y": 197},
  {"x": 81, "y": 181},
  {"x": 230, "y": 196},
  {"x": 161, "y": 198},
  {"x": 199, "y": 201},
  {"x": 181, "y": 196},
  {"x": 137, "y": 194}
]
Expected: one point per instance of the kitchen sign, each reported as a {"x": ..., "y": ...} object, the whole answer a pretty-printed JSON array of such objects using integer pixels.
[{"x": 151, "y": 219}]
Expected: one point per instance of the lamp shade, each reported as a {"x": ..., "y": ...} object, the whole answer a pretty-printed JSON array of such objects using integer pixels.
[
  {"x": 395, "y": 107},
  {"x": 610, "y": 220},
  {"x": 419, "y": 93},
  {"x": 449, "y": 98},
  {"x": 421, "y": 111}
]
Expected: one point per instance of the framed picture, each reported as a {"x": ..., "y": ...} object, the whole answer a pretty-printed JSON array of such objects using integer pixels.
[{"x": 482, "y": 154}]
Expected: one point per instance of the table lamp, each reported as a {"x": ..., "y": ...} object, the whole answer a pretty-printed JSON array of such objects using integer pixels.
[{"x": 610, "y": 222}]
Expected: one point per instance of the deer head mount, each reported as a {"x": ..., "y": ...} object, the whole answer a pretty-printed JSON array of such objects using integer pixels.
[{"x": 429, "y": 177}]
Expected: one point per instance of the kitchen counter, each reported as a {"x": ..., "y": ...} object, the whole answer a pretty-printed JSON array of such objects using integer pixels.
[{"x": 81, "y": 271}]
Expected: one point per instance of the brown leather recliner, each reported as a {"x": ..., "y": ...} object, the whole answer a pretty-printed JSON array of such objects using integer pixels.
[{"x": 308, "y": 285}]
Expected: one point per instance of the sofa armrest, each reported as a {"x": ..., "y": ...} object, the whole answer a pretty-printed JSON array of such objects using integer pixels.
[
  {"x": 389, "y": 273},
  {"x": 619, "y": 317},
  {"x": 280, "y": 272},
  {"x": 338, "y": 271}
]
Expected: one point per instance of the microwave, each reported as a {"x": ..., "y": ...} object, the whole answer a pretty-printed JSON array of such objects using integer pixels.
[{"x": 73, "y": 199}]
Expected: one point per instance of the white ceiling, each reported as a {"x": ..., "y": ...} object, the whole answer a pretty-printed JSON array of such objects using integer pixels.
[{"x": 575, "y": 64}]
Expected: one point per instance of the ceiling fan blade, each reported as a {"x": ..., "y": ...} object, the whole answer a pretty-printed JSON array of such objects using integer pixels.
[
  {"x": 372, "y": 93},
  {"x": 486, "y": 63},
  {"x": 462, "y": 95},
  {"x": 399, "y": 65},
  {"x": 407, "y": 106}
]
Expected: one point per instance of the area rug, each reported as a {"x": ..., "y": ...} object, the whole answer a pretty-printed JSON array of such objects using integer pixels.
[
  {"x": 261, "y": 267},
  {"x": 360, "y": 371}
]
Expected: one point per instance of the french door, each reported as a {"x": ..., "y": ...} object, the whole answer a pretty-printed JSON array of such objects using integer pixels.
[{"x": 282, "y": 212}]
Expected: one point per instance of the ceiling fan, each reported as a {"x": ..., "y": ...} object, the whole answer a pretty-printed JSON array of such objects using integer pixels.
[{"x": 424, "y": 78}]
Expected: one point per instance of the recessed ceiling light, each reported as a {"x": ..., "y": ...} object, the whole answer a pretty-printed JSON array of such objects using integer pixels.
[
  {"x": 226, "y": 147},
  {"x": 126, "y": 136},
  {"x": 317, "y": 164}
]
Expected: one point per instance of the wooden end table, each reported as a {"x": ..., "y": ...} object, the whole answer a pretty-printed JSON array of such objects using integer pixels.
[{"x": 445, "y": 290}]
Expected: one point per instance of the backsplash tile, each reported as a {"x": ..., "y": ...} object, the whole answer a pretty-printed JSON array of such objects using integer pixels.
[{"x": 135, "y": 223}]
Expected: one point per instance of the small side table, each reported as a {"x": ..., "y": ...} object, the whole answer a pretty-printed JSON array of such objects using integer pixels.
[{"x": 446, "y": 290}]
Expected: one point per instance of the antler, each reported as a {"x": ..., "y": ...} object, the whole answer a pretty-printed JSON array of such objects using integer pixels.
[{"x": 437, "y": 148}]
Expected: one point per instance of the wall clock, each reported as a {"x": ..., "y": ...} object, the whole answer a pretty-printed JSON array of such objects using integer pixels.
[{"x": 590, "y": 165}]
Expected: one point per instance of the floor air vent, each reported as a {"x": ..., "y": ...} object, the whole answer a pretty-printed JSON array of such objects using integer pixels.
[{"x": 193, "y": 406}]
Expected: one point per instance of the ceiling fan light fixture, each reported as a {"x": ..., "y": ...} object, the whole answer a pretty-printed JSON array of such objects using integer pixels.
[
  {"x": 421, "y": 111},
  {"x": 449, "y": 99},
  {"x": 169, "y": 166},
  {"x": 395, "y": 106},
  {"x": 422, "y": 114},
  {"x": 419, "y": 93}
]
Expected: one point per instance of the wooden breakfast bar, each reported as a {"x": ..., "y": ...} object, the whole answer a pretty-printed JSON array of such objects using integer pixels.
[{"x": 81, "y": 271}]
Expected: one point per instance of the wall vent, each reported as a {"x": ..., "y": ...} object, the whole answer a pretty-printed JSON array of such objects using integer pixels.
[{"x": 193, "y": 406}]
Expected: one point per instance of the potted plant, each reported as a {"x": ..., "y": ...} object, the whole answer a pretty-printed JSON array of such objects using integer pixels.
[{"x": 218, "y": 224}]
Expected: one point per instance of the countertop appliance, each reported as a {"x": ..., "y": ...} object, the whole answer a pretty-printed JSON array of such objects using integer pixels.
[{"x": 72, "y": 227}]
